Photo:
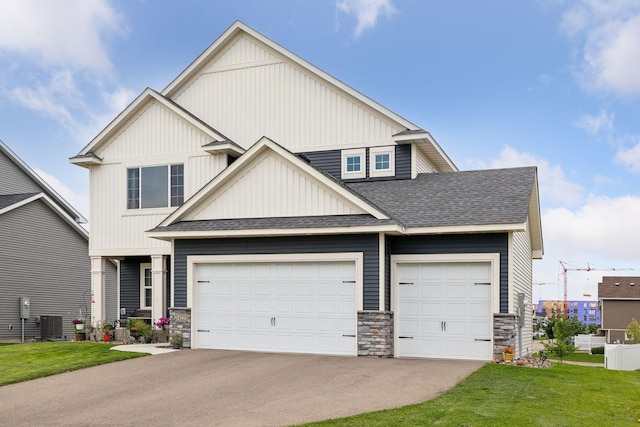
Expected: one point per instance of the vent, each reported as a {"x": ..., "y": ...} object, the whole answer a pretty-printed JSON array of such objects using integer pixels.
[{"x": 50, "y": 327}]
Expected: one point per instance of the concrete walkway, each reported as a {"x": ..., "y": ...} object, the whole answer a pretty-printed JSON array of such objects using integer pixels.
[
  {"x": 153, "y": 349},
  {"x": 226, "y": 388}
]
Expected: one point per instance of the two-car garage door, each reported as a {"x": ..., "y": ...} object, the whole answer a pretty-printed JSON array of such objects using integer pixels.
[{"x": 301, "y": 307}]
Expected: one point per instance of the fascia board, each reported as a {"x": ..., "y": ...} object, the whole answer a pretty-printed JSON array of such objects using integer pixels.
[
  {"x": 238, "y": 27},
  {"x": 141, "y": 100},
  {"x": 426, "y": 137},
  {"x": 458, "y": 229},
  {"x": 271, "y": 232},
  {"x": 259, "y": 147},
  {"x": 535, "y": 221}
]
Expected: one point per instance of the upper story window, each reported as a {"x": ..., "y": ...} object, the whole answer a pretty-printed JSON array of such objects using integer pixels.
[
  {"x": 155, "y": 187},
  {"x": 382, "y": 161},
  {"x": 353, "y": 163}
]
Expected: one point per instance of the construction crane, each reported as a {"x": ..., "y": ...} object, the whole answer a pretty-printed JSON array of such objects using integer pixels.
[{"x": 565, "y": 266}]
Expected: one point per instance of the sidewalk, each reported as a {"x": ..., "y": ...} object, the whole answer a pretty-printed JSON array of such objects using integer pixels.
[{"x": 153, "y": 349}]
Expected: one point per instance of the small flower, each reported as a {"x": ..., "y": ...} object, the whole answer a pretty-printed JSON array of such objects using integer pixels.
[
  {"x": 508, "y": 350},
  {"x": 163, "y": 321},
  {"x": 77, "y": 321}
]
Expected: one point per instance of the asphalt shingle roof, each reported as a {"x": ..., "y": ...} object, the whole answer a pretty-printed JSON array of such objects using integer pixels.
[
  {"x": 10, "y": 199},
  {"x": 495, "y": 196}
]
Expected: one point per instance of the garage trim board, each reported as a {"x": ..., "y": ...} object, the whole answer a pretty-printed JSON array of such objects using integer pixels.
[
  {"x": 483, "y": 350},
  {"x": 196, "y": 261}
]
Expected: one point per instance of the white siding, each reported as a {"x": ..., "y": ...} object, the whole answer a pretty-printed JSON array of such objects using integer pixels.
[
  {"x": 154, "y": 137},
  {"x": 249, "y": 92},
  {"x": 423, "y": 164},
  {"x": 277, "y": 188},
  {"x": 521, "y": 280}
]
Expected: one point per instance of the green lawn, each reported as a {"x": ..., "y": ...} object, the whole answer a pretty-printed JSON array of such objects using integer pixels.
[
  {"x": 581, "y": 357},
  {"x": 500, "y": 395},
  {"x": 22, "y": 362}
]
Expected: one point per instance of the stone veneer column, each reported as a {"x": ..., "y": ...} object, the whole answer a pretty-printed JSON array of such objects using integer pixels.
[
  {"x": 504, "y": 333},
  {"x": 375, "y": 333},
  {"x": 181, "y": 324}
]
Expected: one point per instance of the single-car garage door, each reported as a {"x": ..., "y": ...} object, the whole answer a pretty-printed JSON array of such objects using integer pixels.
[
  {"x": 444, "y": 310},
  {"x": 301, "y": 307}
]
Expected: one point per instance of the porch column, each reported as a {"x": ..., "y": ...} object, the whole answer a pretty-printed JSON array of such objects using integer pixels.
[
  {"x": 158, "y": 286},
  {"x": 98, "y": 288}
]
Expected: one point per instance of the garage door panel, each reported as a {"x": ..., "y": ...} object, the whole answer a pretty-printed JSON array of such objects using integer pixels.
[
  {"x": 444, "y": 311},
  {"x": 284, "y": 307}
]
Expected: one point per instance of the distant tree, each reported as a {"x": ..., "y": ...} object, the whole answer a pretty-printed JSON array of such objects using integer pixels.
[
  {"x": 633, "y": 331},
  {"x": 575, "y": 327},
  {"x": 593, "y": 328},
  {"x": 563, "y": 329}
]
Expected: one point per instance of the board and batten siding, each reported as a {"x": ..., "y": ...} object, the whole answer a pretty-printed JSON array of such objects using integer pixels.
[
  {"x": 155, "y": 137},
  {"x": 423, "y": 164},
  {"x": 365, "y": 243},
  {"x": 42, "y": 257},
  {"x": 460, "y": 244},
  {"x": 277, "y": 189},
  {"x": 521, "y": 279},
  {"x": 249, "y": 91}
]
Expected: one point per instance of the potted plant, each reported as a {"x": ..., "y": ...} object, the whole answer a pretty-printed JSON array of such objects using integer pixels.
[
  {"x": 139, "y": 328},
  {"x": 78, "y": 323},
  {"x": 176, "y": 340},
  {"x": 106, "y": 332},
  {"x": 507, "y": 354},
  {"x": 163, "y": 323}
]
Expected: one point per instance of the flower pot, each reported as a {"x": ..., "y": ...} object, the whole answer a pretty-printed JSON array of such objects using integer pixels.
[
  {"x": 79, "y": 326},
  {"x": 106, "y": 337},
  {"x": 507, "y": 357}
]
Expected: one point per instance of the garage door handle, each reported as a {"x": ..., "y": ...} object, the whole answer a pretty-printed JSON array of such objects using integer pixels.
[
  {"x": 204, "y": 330},
  {"x": 203, "y": 281},
  {"x": 405, "y": 338},
  {"x": 405, "y": 283},
  {"x": 347, "y": 335},
  {"x": 480, "y": 339},
  {"x": 348, "y": 281},
  {"x": 483, "y": 283}
]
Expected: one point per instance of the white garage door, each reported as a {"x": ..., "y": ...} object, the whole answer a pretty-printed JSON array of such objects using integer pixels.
[
  {"x": 305, "y": 307},
  {"x": 444, "y": 311}
]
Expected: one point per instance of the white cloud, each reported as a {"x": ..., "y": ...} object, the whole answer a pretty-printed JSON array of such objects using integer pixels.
[
  {"x": 603, "y": 232},
  {"x": 71, "y": 33},
  {"x": 366, "y": 12},
  {"x": 630, "y": 157},
  {"x": 608, "y": 32},
  {"x": 554, "y": 186},
  {"x": 595, "y": 124}
]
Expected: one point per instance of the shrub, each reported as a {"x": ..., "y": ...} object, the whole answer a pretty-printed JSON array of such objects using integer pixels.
[{"x": 597, "y": 350}]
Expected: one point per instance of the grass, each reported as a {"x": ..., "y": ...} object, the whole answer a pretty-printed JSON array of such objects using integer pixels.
[
  {"x": 23, "y": 362},
  {"x": 563, "y": 395},
  {"x": 581, "y": 357}
]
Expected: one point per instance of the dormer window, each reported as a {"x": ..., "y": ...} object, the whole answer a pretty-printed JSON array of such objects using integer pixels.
[
  {"x": 155, "y": 186},
  {"x": 353, "y": 163},
  {"x": 382, "y": 161}
]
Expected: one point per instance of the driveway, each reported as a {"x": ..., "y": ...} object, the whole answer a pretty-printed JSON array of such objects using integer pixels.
[{"x": 213, "y": 387}]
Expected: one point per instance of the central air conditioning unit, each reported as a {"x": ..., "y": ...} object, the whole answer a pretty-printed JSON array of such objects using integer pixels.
[{"x": 50, "y": 327}]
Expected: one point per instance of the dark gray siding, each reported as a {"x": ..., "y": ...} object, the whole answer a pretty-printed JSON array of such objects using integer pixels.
[
  {"x": 368, "y": 244},
  {"x": 44, "y": 258},
  {"x": 330, "y": 162},
  {"x": 460, "y": 244},
  {"x": 14, "y": 180},
  {"x": 130, "y": 284}
]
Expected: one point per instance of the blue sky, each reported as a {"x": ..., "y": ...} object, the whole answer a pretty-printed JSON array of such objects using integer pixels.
[{"x": 550, "y": 83}]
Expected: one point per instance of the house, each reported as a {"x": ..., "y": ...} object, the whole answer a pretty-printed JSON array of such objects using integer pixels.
[
  {"x": 268, "y": 206},
  {"x": 43, "y": 257},
  {"x": 619, "y": 299}
]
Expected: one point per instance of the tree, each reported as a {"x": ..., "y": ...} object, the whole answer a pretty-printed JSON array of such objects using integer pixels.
[
  {"x": 593, "y": 328},
  {"x": 633, "y": 331},
  {"x": 575, "y": 327},
  {"x": 563, "y": 330}
]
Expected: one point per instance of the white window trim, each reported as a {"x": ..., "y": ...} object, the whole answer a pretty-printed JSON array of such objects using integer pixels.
[
  {"x": 358, "y": 152},
  {"x": 140, "y": 167},
  {"x": 143, "y": 267},
  {"x": 373, "y": 151}
]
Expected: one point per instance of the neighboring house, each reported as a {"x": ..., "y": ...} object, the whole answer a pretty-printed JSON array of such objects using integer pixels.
[
  {"x": 43, "y": 255},
  {"x": 619, "y": 298},
  {"x": 275, "y": 208},
  {"x": 587, "y": 312}
]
